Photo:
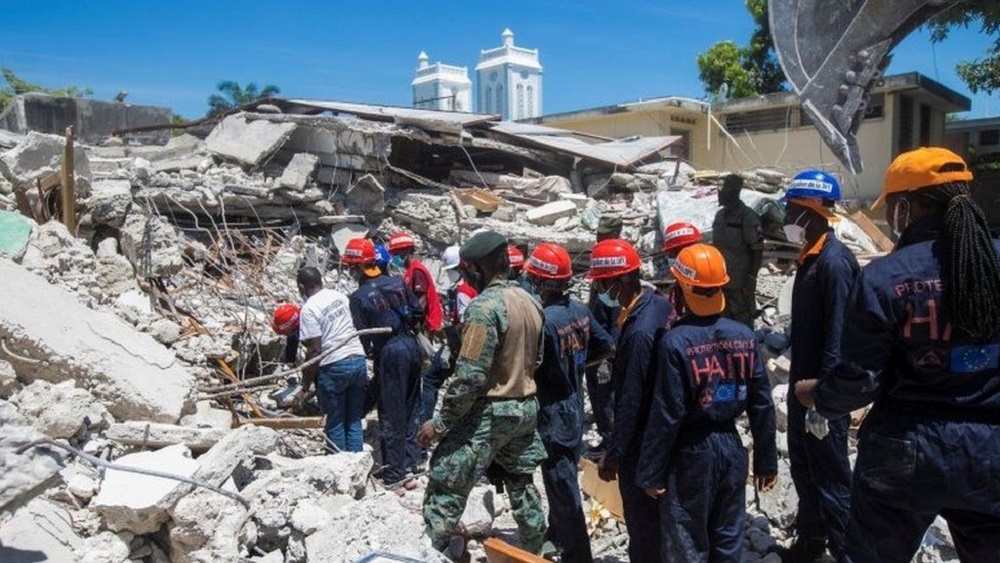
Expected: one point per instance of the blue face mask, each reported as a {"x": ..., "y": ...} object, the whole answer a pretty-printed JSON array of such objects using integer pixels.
[
  {"x": 397, "y": 261},
  {"x": 607, "y": 300}
]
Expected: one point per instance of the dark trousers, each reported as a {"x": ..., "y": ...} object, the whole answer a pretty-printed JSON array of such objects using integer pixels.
[
  {"x": 397, "y": 374},
  {"x": 560, "y": 425},
  {"x": 703, "y": 512},
  {"x": 821, "y": 472},
  {"x": 911, "y": 469},
  {"x": 642, "y": 514},
  {"x": 600, "y": 400}
]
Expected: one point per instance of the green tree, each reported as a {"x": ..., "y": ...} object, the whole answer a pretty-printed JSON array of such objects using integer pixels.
[
  {"x": 983, "y": 74},
  {"x": 233, "y": 96},
  {"x": 14, "y": 85},
  {"x": 747, "y": 70}
]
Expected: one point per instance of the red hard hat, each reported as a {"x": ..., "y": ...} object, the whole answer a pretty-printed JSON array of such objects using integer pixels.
[
  {"x": 550, "y": 261},
  {"x": 612, "y": 258},
  {"x": 400, "y": 241},
  {"x": 359, "y": 251},
  {"x": 285, "y": 319},
  {"x": 516, "y": 257},
  {"x": 679, "y": 235}
]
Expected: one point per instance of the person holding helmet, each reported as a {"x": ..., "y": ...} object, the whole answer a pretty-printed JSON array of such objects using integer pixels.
[
  {"x": 489, "y": 415},
  {"x": 417, "y": 278},
  {"x": 383, "y": 301},
  {"x": 921, "y": 341},
  {"x": 340, "y": 378},
  {"x": 737, "y": 233},
  {"x": 677, "y": 237},
  {"x": 572, "y": 340},
  {"x": 645, "y": 315},
  {"x": 285, "y": 322},
  {"x": 709, "y": 370},
  {"x": 516, "y": 273},
  {"x": 817, "y": 448}
]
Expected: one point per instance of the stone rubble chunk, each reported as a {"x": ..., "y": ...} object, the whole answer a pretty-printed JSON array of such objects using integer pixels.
[
  {"x": 8, "y": 380},
  {"x": 151, "y": 244},
  {"x": 110, "y": 201},
  {"x": 165, "y": 331},
  {"x": 207, "y": 416},
  {"x": 25, "y": 474},
  {"x": 779, "y": 394},
  {"x": 247, "y": 142},
  {"x": 300, "y": 169},
  {"x": 40, "y": 531},
  {"x": 82, "y": 486},
  {"x": 366, "y": 196},
  {"x": 155, "y": 435},
  {"x": 549, "y": 213},
  {"x": 39, "y": 154},
  {"x": 139, "y": 503},
  {"x": 207, "y": 527},
  {"x": 308, "y": 517},
  {"x": 105, "y": 547},
  {"x": 60, "y": 411}
]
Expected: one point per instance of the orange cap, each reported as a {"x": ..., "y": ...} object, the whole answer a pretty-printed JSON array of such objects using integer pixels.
[{"x": 922, "y": 168}]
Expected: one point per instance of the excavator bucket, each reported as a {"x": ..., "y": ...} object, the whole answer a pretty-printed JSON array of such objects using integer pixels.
[{"x": 834, "y": 51}]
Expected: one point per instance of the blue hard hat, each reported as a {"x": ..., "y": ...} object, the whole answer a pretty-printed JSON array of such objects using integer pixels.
[
  {"x": 813, "y": 183},
  {"x": 382, "y": 256}
]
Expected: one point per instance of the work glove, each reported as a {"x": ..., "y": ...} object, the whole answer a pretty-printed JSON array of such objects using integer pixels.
[{"x": 816, "y": 424}]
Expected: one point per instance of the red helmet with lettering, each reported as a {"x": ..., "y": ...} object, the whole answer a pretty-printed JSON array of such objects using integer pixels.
[
  {"x": 550, "y": 261},
  {"x": 400, "y": 242},
  {"x": 680, "y": 235},
  {"x": 612, "y": 258},
  {"x": 516, "y": 257},
  {"x": 286, "y": 319},
  {"x": 359, "y": 251}
]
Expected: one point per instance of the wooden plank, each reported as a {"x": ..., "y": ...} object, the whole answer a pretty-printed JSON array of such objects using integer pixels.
[
  {"x": 499, "y": 551},
  {"x": 68, "y": 185},
  {"x": 871, "y": 229},
  {"x": 604, "y": 492},
  {"x": 286, "y": 423}
]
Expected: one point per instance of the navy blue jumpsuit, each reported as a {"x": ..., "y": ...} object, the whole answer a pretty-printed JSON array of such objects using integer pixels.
[
  {"x": 379, "y": 302},
  {"x": 571, "y": 336},
  {"x": 931, "y": 443},
  {"x": 598, "y": 392},
  {"x": 708, "y": 371},
  {"x": 632, "y": 386},
  {"x": 820, "y": 468}
]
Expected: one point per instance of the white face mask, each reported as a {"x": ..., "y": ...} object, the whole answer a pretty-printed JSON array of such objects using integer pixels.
[
  {"x": 454, "y": 276},
  {"x": 795, "y": 233},
  {"x": 900, "y": 220}
]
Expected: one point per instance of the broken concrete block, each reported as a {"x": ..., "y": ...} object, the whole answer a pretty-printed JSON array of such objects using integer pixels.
[
  {"x": 38, "y": 155},
  {"x": 580, "y": 200},
  {"x": 207, "y": 527},
  {"x": 132, "y": 375},
  {"x": 342, "y": 473},
  {"x": 105, "y": 547},
  {"x": 779, "y": 394},
  {"x": 82, "y": 486},
  {"x": 8, "y": 380},
  {"x": 25, "y": 474},
  {"x": 139, "y": 503},
  {"x": 308, "y": 517},
  {"x": 151, "y": 244},
  {"x": 165, "y": 331},
  {"x": 115, "y": 274},
  {"x": 342, "y": 234},
  {"x": 238, "y": 447},
  {"x": 15, "y": 230},
  {"x": 298, "y": 172},
  {"x": 366, "y": 196},
  {"x": 207, "y": 416},
  {"x": 154, "y": 435},
  {"x": 41, "y": 531},
  {"x": 60, "y": 411},
  {"x": 247, "y": 142},
  {"x": 549, "y": 213}
]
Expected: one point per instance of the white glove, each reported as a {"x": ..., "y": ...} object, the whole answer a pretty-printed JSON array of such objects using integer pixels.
[{"x": 816, "y": 424}]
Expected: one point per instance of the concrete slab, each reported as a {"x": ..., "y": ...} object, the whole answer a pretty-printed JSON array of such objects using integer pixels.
[
  {"x": 27, "y": 474},
  {"x": 132, "y": 375},
  {"x": 247, "y": 142},
  {"x": 41, "y": 531},
  {"x": 299, "y": 170},
  {"x": 155, "y": 435},
  {"x": 38, "y": 155},
  {"x": 366, "y": 196},
  {"x": 549, "y": 213}
]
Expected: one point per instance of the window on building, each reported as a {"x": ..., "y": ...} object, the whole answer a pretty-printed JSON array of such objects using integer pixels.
[
  {"x": 531, "y": 101},
  {"x": 489, "y": 100},
  {"x": 455, "y": 105},
  {"x": 501, "y": 107},
  {"x": 925, "y": 125},
  {"x": 520, "y": 101},
  {"x": 681, "y": 148},
  {"x": 876, "y": 107},
  {"x": 905, "y": 126},
  {"x": 989, "y": 138},
  {"x": 759, "y": 120}
]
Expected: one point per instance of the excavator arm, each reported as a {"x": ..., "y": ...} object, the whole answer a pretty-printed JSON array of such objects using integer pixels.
[{"x": 834, "y": 51}]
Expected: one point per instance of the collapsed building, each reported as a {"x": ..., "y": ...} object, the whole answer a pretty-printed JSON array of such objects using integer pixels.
[{"x": 142, "y": 340}]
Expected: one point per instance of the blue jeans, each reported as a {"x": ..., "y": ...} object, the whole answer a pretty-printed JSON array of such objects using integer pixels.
[{"x": 340, "y": 388}]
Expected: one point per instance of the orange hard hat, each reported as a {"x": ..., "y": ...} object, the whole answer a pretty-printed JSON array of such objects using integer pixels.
[
  {"x": 400, "y": 241},
  {"x": 551, "y": 262},
  {"x": 679, "y": 235},
  {"x": 612, "y": 258},
  {"x": 286, "y": 319},
  {"x": 697, "y": 268},
  {"x": 359, "y": 251},
  {"x": 516, "y": 257},
  {"x": 922, "y": 168}
]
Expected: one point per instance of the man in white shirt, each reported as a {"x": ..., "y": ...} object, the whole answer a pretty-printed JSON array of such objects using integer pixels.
[{"x": 325, "y": 324}]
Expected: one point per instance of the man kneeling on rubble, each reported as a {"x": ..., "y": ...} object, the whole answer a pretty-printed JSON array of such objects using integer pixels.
[{"x": 489, "y": 413}]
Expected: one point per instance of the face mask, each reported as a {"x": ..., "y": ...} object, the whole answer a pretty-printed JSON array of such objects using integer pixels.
[
  {"x": 898, "y": 223},
  {"x": 454, "y": 276},
  {"x": 397, "y": 261},
  {"x": 607, "y": 299},
  {"x": 795, "y": 234}
]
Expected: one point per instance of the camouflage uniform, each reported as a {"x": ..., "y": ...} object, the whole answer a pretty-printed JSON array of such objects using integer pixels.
[{"x": 482, "y": 430}]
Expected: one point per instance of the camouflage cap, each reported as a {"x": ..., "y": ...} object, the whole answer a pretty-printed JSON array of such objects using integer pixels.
[
  {"x": 609, "y": 224},
  {"x": 481, "y": 245}
]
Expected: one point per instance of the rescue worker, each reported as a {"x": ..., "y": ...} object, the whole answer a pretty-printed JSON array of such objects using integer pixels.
[
  {"x": 737, "y": 233},
  {"x": 325, "y": 327},
  {"x": 817, "y": 449},
  {"x": 572, "y": 339},
  {"x": 645, "y": 315},
  {"x": 417, "y": 278},
  {"x": 921, "y": 341},
  {"x": 599, "y": 376},
  {"x": 382, "y": 258},
  {"x": 489, "y": 413},
  {"x": 677, "y": 237},
  {"x": 516, "y": 273},
  {"x": 708, "y": 371},
  {"x": 383, "y": 301},
  {"x": 285, "y": 322}
]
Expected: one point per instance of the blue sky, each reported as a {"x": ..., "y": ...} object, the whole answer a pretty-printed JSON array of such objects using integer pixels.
[{"x": 594, "y": 53}]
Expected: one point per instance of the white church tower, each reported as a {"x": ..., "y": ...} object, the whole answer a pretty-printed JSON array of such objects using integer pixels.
[
  {"x": 509, "y": 81},
  {"x": 442, "y": 87}
]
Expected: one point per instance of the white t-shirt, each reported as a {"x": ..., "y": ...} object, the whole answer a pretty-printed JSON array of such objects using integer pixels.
[{"x": 327, "y": 315}]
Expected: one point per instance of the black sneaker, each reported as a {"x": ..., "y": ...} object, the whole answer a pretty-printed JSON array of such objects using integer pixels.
[{"x": 804, "y": 550}]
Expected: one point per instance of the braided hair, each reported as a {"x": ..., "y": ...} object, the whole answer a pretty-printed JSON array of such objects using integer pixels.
[{"x": 969, "y": 261}]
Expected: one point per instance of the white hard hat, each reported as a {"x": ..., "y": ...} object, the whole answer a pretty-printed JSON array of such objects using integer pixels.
[{"x": 450, "y": 258}]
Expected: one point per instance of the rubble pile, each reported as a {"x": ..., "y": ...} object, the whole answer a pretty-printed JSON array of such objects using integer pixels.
[{"x": 117, "y": 336}]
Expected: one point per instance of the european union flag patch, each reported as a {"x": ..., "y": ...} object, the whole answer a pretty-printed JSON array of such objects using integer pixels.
[
  {"x": 971, "y": 359},
  {"x": 725, "y": 393}
]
